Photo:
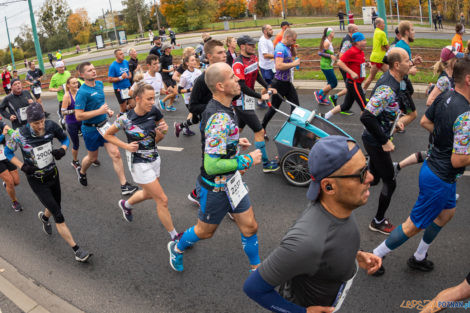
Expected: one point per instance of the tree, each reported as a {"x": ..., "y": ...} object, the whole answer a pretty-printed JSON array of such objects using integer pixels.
[
  {"x": 25, "y": 41},
  {"x": 262, "y": 7},
  {"x": 135, "y": 15},
  {"x": 188, "y": 14},
  {"x": 52, "y": 24},
  {"x": 232, "y": 8},
  {"x": 79, "y": 25}
]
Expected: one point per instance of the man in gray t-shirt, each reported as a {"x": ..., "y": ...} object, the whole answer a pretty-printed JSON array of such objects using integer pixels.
[{"x": 318, "y": 257}]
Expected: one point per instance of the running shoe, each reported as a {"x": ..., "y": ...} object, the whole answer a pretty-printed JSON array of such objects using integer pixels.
[
  {"x": 178, "y": 237},
  {"x": 128, "y": 189},
  {"x": 270, "y": 166},
  {"x": 457, "y": 196},
  {"x": 170, "y": 109},
  {"x": 96, "y": 163},
  {"x": 16, "y": 206},
  {"x": 46, "y": 226},
  {"x": 320, "y": 99},
  {"x": 162, "y": 105},
  {"x": 385, "y": 227},
  {"x": 176, "y": 259},
  {"x": 379, "y": 272},
  {"x": 193, "y": 197},
  {"x": 126, "y": 213},
  {"x": 348, "y": 112},
  {"x": 75, "y": 164},
  {"x": 82, "y": 179},
  {"x": 262, "y": 104},
  {"x": 423, "y": 266},
  {"x": 395, "y": 170},
  {"x": 178, "y": 129},
  {"x": 188, "y": 132},
  {"x": 82, "y": 255},
  {"x": 4, "y": 185},
  {"x": 333, "y": 99}
]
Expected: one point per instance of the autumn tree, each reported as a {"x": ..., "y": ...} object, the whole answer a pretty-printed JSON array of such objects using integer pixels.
[
  {"x": 52, "y": 24},
  {"x": 79, "y": 26},
  {"x": 188, "y": 14},
  {"x": 136, "y": 15},
  {"x": 232, "y": 8}
]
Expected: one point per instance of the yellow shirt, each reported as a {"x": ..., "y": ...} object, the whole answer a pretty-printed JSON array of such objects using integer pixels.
[{"x": 380, "y": 40}]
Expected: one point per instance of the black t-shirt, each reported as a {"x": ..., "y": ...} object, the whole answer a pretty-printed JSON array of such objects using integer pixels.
[
  {"x": 156, "y": 50},
  {"x": 16, "y": 105},
  {"x": 180, "y": 69},
  {"x": 172, "y": 34},
  {"x": 2, "y": 126},
  {"x": 133, "y": 63},
  {"x": 32, "y": 76},
  {"x": 450, "y": 113},
  {"x": 200, "y": 95},
  {"x": 161, "y": 32},
  {"x": 166, "y": 62}
]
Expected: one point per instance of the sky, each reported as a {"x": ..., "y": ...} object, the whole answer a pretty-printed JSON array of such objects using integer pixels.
[{"x": 18, "y": 14}]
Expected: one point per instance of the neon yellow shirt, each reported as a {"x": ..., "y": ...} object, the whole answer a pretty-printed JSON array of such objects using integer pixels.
[{"x": 380, "y": 40}]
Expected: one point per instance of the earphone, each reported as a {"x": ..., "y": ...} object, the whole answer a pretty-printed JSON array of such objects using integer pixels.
[{"x": 329, "y": 187}]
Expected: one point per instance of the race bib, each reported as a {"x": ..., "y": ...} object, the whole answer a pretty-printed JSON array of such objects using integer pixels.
[
  {"x": 2, "y": 153},
  {"x": 248, "y": 103},
  {"x": 343, "y": 292},
  {"x": 236, "y": 190},
  {"x": 8, "y": 86},
  {"x": 37, "y": 90},
  {"x": 130, "y": 159},
  {"x": 170, "y": 67},
  {"x": 363, "y": 70},
  {"x": 102, "y": 130},
  {"x": 64, "y": 87},
  {"x": 23, "y": 116},
  {"x": 42, "y": 155},
  {"x": 125, "y": 94}
]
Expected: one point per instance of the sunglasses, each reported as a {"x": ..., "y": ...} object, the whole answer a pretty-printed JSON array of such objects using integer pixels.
[{"x": 362, "y": 174}]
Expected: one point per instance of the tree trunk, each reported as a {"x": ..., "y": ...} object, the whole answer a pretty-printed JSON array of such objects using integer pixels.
[{"x": 139, "y": 20}]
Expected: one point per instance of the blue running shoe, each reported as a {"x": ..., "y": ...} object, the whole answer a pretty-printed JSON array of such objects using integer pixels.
[
  {"x": 270, "y": 166},
  {"x": 176, "y": 259},
  {"x": 162, "y": 105}
]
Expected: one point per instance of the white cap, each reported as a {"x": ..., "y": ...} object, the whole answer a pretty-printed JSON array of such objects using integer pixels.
[{"x": 59, "y": 64}]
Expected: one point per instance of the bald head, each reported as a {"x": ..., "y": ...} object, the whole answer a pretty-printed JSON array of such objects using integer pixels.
[
  {"x": 222, "y": 82},
  {"x": 399, "y": 61},
  {"x": 379, "y": 22},
  {"x": 352, "y": 28}
]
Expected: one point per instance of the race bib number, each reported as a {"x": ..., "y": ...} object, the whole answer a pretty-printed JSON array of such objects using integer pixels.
[
  {"x": 125, "y": 94},
  {"x": 37, "y": 90},
  {"x": 236, "y": 190},
  {"x": 130, "y": 159},
  {"x": 2, "y": 153},
  {"x": 23, "y": 116},
  {"x": 363, "y": 70},
  {"x": 343, "y": 292},
  {"x": 248, "y": 103},
  {"x": 102, "y": 130},
  {"x": 42, "y": 155}
]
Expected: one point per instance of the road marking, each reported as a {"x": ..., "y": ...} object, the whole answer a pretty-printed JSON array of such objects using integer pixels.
[
  {"x": 177, "y": 149},
  {"x": 466, "y": 173}
]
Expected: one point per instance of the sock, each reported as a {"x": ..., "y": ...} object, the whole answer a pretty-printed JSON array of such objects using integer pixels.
[
  {"x": 420, "y": 253},
  {"x": 188, "y": 239},
  {"x": 173, "y": 233},
  {"x": 328, "y": 115},
  {"x": 262, "y": 146},
  {"x": 431, "y": 233},
  {"x": 382, "y": 250},
  {"x": 75, "y": 248},
  {"x": 127, "y": 205},
  {"x": 250, "y": 246},
  {"x": 396, "y": 238}
]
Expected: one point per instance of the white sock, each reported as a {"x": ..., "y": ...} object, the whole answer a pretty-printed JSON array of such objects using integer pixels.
[
  {"x": 420, "y": 253},
  {"x": 173, "y": 233},
  {"x": 127, "y": 205},
  {"x": 328, "y": 115},
  {"x": 382, "y": 250}
]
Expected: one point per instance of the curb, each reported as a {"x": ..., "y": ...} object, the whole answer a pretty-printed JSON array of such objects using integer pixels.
[{"x": 28, "y": 295}]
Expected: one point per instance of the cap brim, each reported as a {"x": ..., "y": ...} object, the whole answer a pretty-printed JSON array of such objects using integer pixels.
[{"x": 313, "y": 190}]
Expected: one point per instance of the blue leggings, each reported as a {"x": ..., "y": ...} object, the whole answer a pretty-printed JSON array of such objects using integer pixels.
[
  {"x": 331, "y": 77},
  {"x": 72, "y": 129}
]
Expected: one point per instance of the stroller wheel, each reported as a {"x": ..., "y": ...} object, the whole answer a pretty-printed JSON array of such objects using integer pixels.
[{"x": 294, "y": 167}]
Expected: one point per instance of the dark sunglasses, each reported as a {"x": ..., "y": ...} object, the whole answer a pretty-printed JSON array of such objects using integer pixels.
[{"x": 362, "y": 175}]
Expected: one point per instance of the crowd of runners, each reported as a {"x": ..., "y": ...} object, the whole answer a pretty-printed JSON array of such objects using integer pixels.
[{"x": 319, "y": 256}]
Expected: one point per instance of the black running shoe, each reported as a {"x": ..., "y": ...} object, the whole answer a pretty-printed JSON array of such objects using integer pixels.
[
  {"x": 128, "y": 189},
  {"x": 46, "y": 226},
  {"x": 82, "y": 179},
  {"x": 423, "y": 266},
  {"x": 379, "y": 272}
]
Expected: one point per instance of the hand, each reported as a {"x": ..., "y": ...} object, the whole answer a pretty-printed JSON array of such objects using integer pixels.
[
  {"x": 368, "y": 261},
  {"x": 296, "y": 62},
  {"x": 110, "y": 113},
  {"x": 244, "y": 143},
  {"x": 162, "y": 127},
  {"x": 265, "y": 97},
  {"x": 12, "y": 118},
  {"x": 400, "y": 126},
  {"x": 320, "y": 309},
  {"x": 256, "y": 156},
  {"x": 133, "y": 146},
  {"x": 354, "y": 76},
  {"x": 28, "y": 169},
  {"x": 333, "y": 57},
  {"x": 104, "y": 109},
  {"x": 418, "y": 60},
  {"x": 413, "y": 70},
  {"x": 124, "y": 75},
  {"x": 30, "y": 101},
  {"x": 273, "y": 90},
  {"x": 58, "y": 153},
  {"x": 368, "y": 65},
  {"x": 389, "y": 146}
]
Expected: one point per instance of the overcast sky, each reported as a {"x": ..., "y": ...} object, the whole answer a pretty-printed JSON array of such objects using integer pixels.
[{"x": 20, "y": 13}]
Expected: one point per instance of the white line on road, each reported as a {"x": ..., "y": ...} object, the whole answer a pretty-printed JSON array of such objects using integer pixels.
[
  {"x": 177, "y": 149},
  {"x": 466, "y": 173}
]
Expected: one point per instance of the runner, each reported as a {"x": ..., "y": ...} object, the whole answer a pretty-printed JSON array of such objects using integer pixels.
[
  {"x": 457, "y": 41},
  {"x": 157, "y": 46},
  {"x": 379, "y": 48},
  {"x": 231, "y": 43},
  {"x": 353, "y": 62},
  {"x": 328, "y": 58},
  {"x": 144, "y": 127},
  {"x": 180, "y": 69},
  {"x": 119, "y": 74},
  {"x": 14, "y": 75},
  {"x": 282, "y": 79},
  {"x": 33, "y": 79},
  {"x": 447, "y": 120},
  {"x": 284, "y": 25},
  {"x": 246, "y": 69},
  {"x": 384, "y": 107},
  {"x": 167, "y": 70},
  {"x": 68, "y": 110},
  {"x": 319, "y": 256},
  {"x": 57, "y": 84},
  {"x": 172, "y": 37},
  {"x": 220, "y": 171},
  {"x": 14, "y": 105},
  {"x": 151, "y": 37},
  {"x": 407, "y": 34},
  {"x": 8, "y": 171},
  {"x": 6, "y": 80},
  {"x": 154, "y": 79},
  {"x": 91, "y": 109},
  {"x": 133, "y": 64},
  {"x": 266, "y": 54},
  {"x": 35, "y": 142},
  {"x": 185, "y": 87}
]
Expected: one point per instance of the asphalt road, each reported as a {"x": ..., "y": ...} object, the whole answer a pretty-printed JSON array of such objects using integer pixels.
[{"x": 129, "y": 271}]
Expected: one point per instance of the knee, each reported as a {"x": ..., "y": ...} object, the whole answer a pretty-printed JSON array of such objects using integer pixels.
[
  {"x": 162, "y": 201},
  {"x": 92, "y": 157},
  {"x": 250, "y": 230},
  {"x": 59, "y": 218},
  {"x": 334, "y": 84},
  {"x": 9, "y": 182},
  {"x": 206, "y": 234},
  {"x": 115, "y": 155}
]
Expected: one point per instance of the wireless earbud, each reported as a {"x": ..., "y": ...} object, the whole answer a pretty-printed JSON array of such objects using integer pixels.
[{"x": 329, "y": 187}]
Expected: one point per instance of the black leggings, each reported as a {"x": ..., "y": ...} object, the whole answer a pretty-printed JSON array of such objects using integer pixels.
[
  {"x": 381, "y": 166},
  {"x": 285, "y": 89},
  {"x": 355, "y": 93},
  {"x": 48, "y": 192}
]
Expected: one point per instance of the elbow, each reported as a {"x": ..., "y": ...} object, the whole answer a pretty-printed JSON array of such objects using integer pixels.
[
  {"x": 457, "y": 161},
  {"x": 78, "y": 116}
]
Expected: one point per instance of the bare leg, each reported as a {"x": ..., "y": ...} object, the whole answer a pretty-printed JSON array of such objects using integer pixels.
[
  {"x": 7, "y": 177},
  {"x": 91, "y": 157},
  {"x": 115, "y": 156},
  {"x": 154, "y": 190}
]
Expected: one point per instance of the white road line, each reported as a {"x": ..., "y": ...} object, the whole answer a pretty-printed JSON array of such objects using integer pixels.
[
  {"x": 466, "y": 173},
  {"x": 177, "y": 149}
]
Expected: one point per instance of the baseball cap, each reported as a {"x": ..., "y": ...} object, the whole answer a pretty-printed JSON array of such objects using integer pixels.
[
  {"x": 156, "y": 38},
  {"x": 326, "y": 156},
  {"x": 285, "y": 23},
  {"x": 358, "y": 37},
  {"x": 165, "y": 46},
  {"x": 246, "y": 40},
  {"x": 450, "y": 52},
  {"x": 59, "y": 64}
]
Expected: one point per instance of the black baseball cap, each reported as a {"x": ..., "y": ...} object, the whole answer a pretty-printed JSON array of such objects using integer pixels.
[
  {"x": 246, "y": 40},
  {"x": 156, "y": 38},
  {"x": 285, "y": 23}
]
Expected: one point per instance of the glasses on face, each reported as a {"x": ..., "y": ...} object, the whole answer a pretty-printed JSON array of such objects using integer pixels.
[{"x": 362, "y": 174}]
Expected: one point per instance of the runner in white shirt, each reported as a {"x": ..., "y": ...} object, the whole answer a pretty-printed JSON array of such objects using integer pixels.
[
  {"x": 266, "y": 54},
  {"x": 154, "y": 78}
]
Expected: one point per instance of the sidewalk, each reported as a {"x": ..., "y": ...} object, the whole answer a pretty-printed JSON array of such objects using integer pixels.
[{"x": 19, "y": 293}]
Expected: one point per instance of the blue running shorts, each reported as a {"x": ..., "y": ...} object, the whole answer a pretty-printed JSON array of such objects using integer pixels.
[{"x": 93, "y": 139}]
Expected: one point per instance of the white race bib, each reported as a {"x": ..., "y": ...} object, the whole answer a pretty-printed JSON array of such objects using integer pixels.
[
  {"x": 37, "y": 90},
  {"x": 102, "y": 130},
  {"x": 8, "y": 86},
  {"x": 23, "y": 116},
  {"x": 129, "y": 158},
  {"x": 42, "y": 155},
  {"x": 248, "y": 103},
  {"x": 236, "y": 190},
  {"x": 125, "y": 94},
  {"x": 2, "y": 153},
  {"x": 363, "y": 70},
  {"x": 343, "y": 292},
  {"x": 170, "y": 68},
  {"x": 64, "y": 87}
]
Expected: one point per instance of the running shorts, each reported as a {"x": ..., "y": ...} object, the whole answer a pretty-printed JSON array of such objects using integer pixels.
[
  {"x": 248, "y": 117},
  {"x": 92, "y": 138},
  {"x": 145, "y": 173},
  {"x": 377, "y": 65},
  {"x": 117, "y": 92},
  {"x": 6, "y": 165}
]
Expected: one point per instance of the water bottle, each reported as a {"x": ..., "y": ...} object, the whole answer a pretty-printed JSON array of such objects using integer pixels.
[{"x": 298, "y": 66}]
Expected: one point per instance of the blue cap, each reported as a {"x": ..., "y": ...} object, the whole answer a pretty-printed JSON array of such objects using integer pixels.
[
  {"x": 358, "y": 37},
  {"x": 327, "y": 155}
]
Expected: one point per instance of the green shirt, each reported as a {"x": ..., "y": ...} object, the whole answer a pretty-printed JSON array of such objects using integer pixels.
[
  {"x": 380, "y": 40},
  {"x": 58, "y": 80},
  {"x": 327, "y": 63}
]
